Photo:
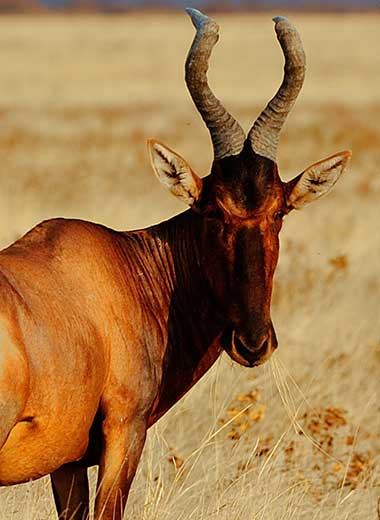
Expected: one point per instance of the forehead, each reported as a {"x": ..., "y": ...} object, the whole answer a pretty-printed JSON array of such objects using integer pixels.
[{"x": 247, "y": 183}]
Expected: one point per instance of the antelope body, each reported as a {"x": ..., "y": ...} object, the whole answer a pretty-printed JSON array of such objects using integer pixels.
[{"x": 101, "y": 332}]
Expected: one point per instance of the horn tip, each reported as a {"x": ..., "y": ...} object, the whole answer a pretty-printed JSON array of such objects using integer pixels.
[
  {"x": 283, "y": 24},
  {"x": 191, "y": 11},
  {"x": 199, "y": 19},
  {"x": 278, "y": 19}
]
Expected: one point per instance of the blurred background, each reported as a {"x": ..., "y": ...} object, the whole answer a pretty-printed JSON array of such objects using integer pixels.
[
  {"x": 80, "y": 92},
  {"x": 109, "y": 6}
]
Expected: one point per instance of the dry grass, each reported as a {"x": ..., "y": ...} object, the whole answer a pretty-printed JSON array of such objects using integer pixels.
[{"x": 299, "y": 437}]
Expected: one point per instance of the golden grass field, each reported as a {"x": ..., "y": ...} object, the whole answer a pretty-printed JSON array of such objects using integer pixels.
[{"x": 298, "y": 438}]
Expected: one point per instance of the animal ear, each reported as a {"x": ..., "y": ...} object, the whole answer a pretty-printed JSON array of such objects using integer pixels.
[
  {"x": 174, "y": 172},
  {"x": 316, "y": 181}
]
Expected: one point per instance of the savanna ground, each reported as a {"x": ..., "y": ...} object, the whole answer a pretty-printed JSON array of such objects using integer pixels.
[{"x": 298, "y": 438}]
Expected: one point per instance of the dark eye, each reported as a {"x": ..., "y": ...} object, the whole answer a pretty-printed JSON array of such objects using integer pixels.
[{"x": 279, "y": 215}]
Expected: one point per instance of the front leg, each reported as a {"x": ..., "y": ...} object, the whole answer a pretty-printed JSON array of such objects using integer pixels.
[{"x": 123, "y": 442}]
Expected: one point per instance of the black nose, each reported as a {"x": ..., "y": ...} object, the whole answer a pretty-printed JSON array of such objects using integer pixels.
[
  {"x": 257, "y": 348},
  {"x": 243, "y": 351},
  {"x": 259, "y": 342}
]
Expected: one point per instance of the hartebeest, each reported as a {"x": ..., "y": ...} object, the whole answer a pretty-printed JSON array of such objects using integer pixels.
[{"x": 103, "y": 331}]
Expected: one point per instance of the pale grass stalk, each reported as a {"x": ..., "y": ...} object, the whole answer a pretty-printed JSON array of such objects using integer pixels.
[
  {"x": 271, "y": 454},
  {"x": 297, "y": 426},
  {"x": 155, "y": 489},
  {"x": 352, "y": 492},
  {"x": 293, "y": 503},
  {"x": 369, "y": 403},
  {"x": 198, "y": 451},
  {"x": 321, "y": 507},
  {"x": 245, "y": 473},
  {"x": 295, "y": 384},
  {"x": 275, "y": 498}
]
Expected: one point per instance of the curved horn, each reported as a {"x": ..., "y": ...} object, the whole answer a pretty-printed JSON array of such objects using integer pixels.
[
  {"x": 265, "y": 132},
  {"x": 227, "y": 135}
]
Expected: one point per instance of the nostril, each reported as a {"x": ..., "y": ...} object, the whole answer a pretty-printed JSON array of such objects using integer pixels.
[
  {"x": 257, "y": 350},
  {"x": 265, "y": 344},
  {"x": 268, "y": 342},
  {"x": 259, "y": 347}
]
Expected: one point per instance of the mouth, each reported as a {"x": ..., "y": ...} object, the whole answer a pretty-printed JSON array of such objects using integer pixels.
[{"x": 240, "y": 353}]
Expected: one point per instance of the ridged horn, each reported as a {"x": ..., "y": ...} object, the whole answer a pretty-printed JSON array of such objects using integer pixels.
[
  {"x": 226, "y": 134},
  {"x": 264, "y": 134}
]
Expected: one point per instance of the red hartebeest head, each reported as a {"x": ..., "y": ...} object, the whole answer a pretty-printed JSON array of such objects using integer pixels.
[{"x": 243, "y": 200}]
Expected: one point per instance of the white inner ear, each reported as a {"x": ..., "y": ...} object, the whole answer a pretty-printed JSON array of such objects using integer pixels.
[
  {"x": 174, "y": 173},
  {"x": 318, "y": 180},
  {"x": 172, "y": 168}
]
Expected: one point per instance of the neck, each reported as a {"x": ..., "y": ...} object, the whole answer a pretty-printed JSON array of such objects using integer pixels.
[{"x": 177, "y": 287}]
